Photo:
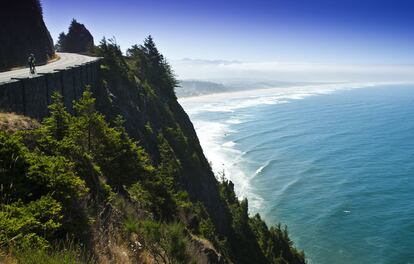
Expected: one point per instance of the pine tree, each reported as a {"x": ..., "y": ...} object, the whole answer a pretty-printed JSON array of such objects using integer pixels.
[
  {"x": 156, "y": 69},
  {"x": 78, "y": 39},
  {"x": 152, "y": 52},
  {"x": 59, "y": 120},
  {"x": 61, "y": 43},
  {"x": 88, "y": 117}
]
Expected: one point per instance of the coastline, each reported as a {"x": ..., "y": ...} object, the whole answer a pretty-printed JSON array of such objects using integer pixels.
[
  {"x": 214, "y": 134},
  {"x": 328, "y": 87},
  {"x": 219, "y": 117}
]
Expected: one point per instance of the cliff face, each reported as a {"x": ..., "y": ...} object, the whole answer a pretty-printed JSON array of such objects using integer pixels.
[
  {"x": 23, "y": 32},
  {"x": 141, "y": 110},
  {"x": 150, "y": 109}
]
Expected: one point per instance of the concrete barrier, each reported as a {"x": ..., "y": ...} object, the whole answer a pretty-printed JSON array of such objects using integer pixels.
[{"x": 31, "y": 96}]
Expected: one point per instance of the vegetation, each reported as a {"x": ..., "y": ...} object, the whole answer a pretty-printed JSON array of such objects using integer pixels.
[
  {"x": 166, "y": 243},
  {"x": 62, "y": 253},
  {"x": 103, "y": 181},
  {"x": 77, "y": 40}
]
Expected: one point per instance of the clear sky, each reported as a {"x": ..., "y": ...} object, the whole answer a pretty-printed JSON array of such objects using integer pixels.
[{"x": 321, "y": 31}]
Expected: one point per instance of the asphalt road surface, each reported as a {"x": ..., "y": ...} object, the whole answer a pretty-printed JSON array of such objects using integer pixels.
[{"x": 66, "y": 60}]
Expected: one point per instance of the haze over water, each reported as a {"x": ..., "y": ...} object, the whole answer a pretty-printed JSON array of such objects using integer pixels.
[{"x": 334, "y": 163}]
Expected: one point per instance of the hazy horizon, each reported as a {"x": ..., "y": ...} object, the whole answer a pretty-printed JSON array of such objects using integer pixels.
[{"x": 291, "y": 72}]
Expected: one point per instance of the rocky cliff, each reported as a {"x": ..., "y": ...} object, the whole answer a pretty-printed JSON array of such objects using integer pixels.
[
  {"x": 77, "y": 40},
  {"x": 23, "y": 32},
  {"x": 150, "y": 110}
]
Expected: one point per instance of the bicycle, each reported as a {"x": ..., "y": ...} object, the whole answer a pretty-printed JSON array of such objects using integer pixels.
[
  {"x": 31, "y": 61},
  {"x": 32, "y": 71}
]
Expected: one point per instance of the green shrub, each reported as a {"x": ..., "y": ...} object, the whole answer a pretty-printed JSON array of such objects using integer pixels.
[
  {"x": 139, "y": 194},
  {"x": 167, "y": 243},
  {"x": 55, "y": 173},
  {"x": 131, "y": 225},
  {"x": 29, "y": 225},
  {"x": 207, "y": 230}
]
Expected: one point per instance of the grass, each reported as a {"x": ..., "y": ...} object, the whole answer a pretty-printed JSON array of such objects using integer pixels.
[
  {"x": 64, "y": 253},
  {"x": 12, "y": 122}
]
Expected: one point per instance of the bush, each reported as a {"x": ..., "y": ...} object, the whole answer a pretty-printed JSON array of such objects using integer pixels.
[
  {"x": 167, "y": 243},
  {"x": 29, "y": 225}
]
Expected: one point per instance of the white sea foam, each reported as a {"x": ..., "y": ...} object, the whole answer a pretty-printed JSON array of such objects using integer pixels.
[
  {"x": 229, "y": 144},
  {"x": 234, "y": 121},
  {"x": 229, "y": 102},
  {"x": 223, "y": 156},
  {"x": 260, "y": 169}
]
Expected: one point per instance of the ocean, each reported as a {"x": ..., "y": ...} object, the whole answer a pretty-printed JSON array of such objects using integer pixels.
[{"x": 334, "y": 162}]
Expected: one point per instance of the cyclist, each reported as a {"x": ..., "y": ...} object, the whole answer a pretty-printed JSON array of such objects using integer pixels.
[{"x": 32, "y": 63}]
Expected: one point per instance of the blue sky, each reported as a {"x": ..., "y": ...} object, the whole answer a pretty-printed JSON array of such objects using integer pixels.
[{"x": 292, "y": 31}]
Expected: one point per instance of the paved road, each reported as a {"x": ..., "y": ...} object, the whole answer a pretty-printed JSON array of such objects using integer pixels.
[{"x": 66, "y": 60}]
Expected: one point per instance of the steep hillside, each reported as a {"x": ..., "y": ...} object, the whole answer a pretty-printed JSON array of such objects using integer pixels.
[
  {"x": 11, "y": 122},
  {"x": 23, "y": 32},
  {"x": 124, "y": 180}
]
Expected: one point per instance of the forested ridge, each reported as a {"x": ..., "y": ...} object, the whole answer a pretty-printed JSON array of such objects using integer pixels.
[{"x": 124, "y": 180}]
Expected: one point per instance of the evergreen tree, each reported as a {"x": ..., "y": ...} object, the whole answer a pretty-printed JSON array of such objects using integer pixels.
[
  {"x": 154, "y": 68},
  {"x": 61, "y": 43},
  {"x": 152, "y": 52},
  {"x": 78, "y": 39},
  {"x": 59, "y": 120},
  {"x": 87, "y": 119}
]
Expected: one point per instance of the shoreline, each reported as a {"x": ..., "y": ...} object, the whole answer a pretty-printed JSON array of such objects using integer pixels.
[
  {"x": 263, "y": 91},
  {"x": 212, "y": 132}
]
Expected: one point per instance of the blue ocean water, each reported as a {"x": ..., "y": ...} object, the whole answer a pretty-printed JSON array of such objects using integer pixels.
[{"x": 335, "y": 164}]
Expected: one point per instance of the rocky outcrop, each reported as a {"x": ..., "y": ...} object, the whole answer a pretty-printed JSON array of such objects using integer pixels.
[
  {"x": 23, "y": 32},
  {"x": 77, "y": 40},
  {"x": 205, "y": 253}
]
